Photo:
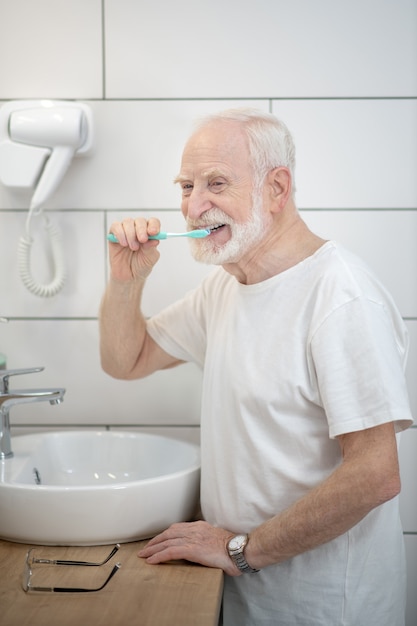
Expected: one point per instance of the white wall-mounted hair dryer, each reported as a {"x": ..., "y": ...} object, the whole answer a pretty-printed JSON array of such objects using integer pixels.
[{"x": 38, "y": 139}]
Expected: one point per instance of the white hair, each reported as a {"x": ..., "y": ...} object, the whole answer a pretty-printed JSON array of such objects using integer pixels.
[{"x": 270, "y": 142}]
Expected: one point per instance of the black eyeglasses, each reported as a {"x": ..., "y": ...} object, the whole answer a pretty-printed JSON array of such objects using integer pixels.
[{"x": 31, "y": 560}]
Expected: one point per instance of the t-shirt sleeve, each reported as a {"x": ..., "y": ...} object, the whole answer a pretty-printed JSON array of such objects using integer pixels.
[{"x": 359, "y": 364}]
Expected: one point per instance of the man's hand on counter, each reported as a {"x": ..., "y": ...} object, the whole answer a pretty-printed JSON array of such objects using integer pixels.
[{"x": 198, "y": 542}]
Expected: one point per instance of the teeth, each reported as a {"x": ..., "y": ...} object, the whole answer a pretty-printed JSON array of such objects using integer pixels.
[{"x": 212, "y": 228}]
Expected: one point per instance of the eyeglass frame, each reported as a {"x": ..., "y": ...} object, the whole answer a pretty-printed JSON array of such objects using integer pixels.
[{"x": 27, "y": 573}]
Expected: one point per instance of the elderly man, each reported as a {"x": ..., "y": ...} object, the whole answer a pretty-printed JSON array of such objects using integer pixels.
[{"x": 302, "y": 352}]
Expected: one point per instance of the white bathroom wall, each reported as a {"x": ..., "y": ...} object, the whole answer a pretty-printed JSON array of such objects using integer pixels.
[{"x": 343, "y": 75}]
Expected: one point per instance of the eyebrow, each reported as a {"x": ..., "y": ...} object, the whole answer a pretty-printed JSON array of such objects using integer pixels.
[
  {"x": 180, "y": 179},
  {"x": 210, "y": 173}
]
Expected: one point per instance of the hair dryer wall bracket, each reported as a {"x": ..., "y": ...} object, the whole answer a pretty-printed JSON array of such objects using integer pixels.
[{"x": 38, "y": 139}]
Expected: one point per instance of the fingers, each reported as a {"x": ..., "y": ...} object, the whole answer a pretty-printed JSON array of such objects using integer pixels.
[
  {"x": 162, "y": 547},
  {"x": 134, "y": 256},
  {"x": 165, "y": 551},
  {"x": 133, "y": 233}
]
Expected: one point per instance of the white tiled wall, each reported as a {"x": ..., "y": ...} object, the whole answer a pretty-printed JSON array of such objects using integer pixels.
[
  {"x": 343, "y": 75},
  {"x": 246, "y": 48},
  {"x": 51, "y": 49}
]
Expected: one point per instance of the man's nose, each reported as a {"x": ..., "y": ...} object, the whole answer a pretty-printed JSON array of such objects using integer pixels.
[{"x": 196, "y": 204}]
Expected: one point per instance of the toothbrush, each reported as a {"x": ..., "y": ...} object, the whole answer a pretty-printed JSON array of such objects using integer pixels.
[{"x": 196, "y": 234}]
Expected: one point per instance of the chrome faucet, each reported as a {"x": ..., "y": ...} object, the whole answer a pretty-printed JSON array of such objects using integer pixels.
[{"x": 9, "y": 398}]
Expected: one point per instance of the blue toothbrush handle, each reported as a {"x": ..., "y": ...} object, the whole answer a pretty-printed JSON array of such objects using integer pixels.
[
  {"x": 161, "y": 235},
  {"x": 196, "y": 234}
]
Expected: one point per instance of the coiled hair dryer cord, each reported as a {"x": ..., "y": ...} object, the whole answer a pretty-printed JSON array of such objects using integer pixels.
[{"x": 24, "y": 262}]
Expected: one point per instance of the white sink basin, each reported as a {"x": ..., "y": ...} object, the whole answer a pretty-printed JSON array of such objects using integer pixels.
[{"x": 94, "y": 488}]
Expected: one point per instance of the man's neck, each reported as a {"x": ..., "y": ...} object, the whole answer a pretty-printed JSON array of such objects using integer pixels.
[{"x": 285, "y": 245}]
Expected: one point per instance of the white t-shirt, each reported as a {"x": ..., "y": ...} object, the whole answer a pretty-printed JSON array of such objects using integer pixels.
[{"x": 290, "y": 363}]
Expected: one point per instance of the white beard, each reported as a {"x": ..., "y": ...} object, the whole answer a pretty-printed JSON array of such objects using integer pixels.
[{"x": 244, "y": 236}]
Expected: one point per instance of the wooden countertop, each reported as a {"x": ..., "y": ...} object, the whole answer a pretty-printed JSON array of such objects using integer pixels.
[{"x": 174, "y": 594}]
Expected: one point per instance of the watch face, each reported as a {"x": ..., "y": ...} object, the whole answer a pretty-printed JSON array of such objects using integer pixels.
[{"x": 237, "y": 542}]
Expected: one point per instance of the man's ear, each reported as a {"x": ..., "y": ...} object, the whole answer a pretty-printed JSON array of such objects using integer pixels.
[{"x": 279, "y": 185}]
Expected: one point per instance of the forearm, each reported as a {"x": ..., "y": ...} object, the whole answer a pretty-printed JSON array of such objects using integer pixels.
[
  {"x": 319, "y": 517},
  {"x": 122, "y": 327},
  {"x": 355, "y": 488}
]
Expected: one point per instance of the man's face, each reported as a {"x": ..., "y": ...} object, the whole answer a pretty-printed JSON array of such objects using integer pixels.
[{"x": 217, "y": 193}]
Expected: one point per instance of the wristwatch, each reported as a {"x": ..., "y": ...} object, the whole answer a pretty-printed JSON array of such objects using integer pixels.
[{"x": 235, "y": 548}]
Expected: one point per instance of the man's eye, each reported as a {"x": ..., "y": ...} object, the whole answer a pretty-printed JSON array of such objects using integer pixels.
[
  {"x": 217, "y": 185},
  {"x": 186, "y": 188}
]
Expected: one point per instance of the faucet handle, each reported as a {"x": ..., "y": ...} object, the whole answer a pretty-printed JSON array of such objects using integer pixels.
[{"x": 5, "y": 374}]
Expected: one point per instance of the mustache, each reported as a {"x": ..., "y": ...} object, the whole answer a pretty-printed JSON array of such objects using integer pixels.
[{"x": 209, "y": 218}]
